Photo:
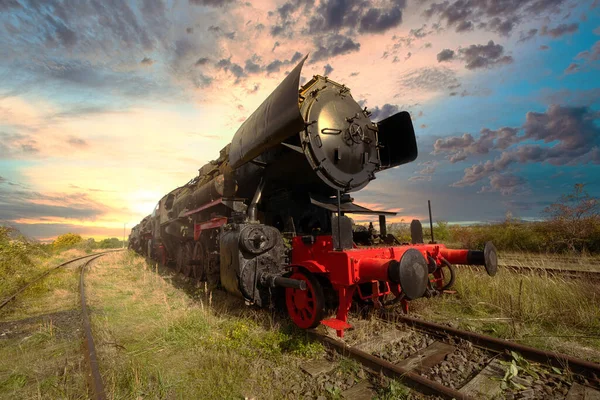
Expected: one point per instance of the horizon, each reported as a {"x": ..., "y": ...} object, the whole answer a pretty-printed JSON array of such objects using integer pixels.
[{"x": 103, "y": 110}]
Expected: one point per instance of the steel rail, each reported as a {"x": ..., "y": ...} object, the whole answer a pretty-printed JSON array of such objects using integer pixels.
[
  {"x": 566, "y": 260},
  {"x": 557, "y": 272},
  {"x": 562, "y": 272},
  {"x": 46, "y": 273},
  {"x": 574, "y": 364},
  {"x": 379, "y": 365},
  {"x": 94, "y": 377}
]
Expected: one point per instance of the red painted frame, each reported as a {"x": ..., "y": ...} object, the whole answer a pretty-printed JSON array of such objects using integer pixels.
[
  {"x": 348, "y": 268},
  {"x": 210, "y": 224}
]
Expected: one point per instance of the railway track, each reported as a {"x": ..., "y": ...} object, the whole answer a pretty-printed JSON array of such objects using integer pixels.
[
  {"x": 544, "y": 259},
  {"x": 566, "y": 273},
  {"x": 418, "y": 369},
  {"x": 45, "y": 274},
  {"x": 556, "y": 272},
  {"x": 94, "y": 378}
]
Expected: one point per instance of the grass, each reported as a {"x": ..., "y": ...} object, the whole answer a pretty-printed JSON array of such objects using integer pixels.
[
  {"x": 158, "y": 340},
  {"x": 541, "y": 311},
  {"x": 40, "y": 348},
  {"x": 160, "y": 336}
]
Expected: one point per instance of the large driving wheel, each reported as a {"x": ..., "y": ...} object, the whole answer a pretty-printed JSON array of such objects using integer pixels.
[
  {"x": 180, "y": 258},
  {"x": 186, "y": 268},
  {"x": 198, "y": 260},
  {"x": 305, "y": 307}
]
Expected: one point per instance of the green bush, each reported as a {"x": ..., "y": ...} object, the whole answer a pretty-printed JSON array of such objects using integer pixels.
[
  {"x": 16, "y": 264},
  {"x": 66, "y": 241},
  {"x": 111, "y": 243}
]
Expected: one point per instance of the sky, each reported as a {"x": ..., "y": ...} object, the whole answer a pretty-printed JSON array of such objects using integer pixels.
[{"x": 106, "y": 105}]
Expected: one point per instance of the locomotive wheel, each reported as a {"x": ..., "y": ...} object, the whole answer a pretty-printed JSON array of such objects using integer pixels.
[
  {"x": 161, "y": 256},
  {"x": 445, "y": 275},
  {"x": 179, "y": 261},
  {"x": 186, "y": 267},
  {"x": 305, "y": 307},
  {"x": 198, "y": 258}
]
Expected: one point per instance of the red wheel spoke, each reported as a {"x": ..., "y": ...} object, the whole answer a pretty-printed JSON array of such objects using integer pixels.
[{"x": 305, "y": 308}]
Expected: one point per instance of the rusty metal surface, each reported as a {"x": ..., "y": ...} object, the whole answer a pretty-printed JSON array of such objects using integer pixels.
[
  {"x": 276, "y": 119},
  {"x": 94, "y": 375},
  {"x": 391, "y": 370},
  {"x": 546, "y": 357}
]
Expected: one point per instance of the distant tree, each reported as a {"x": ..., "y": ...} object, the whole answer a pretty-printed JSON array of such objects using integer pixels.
[
  {"x": 441, "y": 231},
  {"x": 574, "y": 218},
  {"x": 111, "y": 243},
  {"x": 66, "y": 241}
]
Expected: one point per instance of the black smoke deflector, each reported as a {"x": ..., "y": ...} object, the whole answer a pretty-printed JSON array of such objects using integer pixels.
[
  {"x": 276, "y": 119},
  {"x": 397, "y": 140}
]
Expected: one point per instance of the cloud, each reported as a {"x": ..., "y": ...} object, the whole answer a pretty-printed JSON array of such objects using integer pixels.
[
  {"x": 377, "y": 20},
  {"x": 25, "y": 204},
  {"x": 431, "y": 79},
  {"x": 525, "y": 36},
  {"x": 17, "y": 145},
  {"x": 459, "y": 147},
  {"x": 296, "y": 57},
  {"x": 429, "y": 167},
  {"x": 464, "y": 26},
  {"x": 419, "y": 32},
  {"x": 211, "y": 3},
  {"x": 590, "y": 55},
  {"x": 495, "y": 16},
  {"x": 506, "y": 184},
  {"x": 328, "y": 70},
  {"x": 251, "y": 67},
  {"x": 560, "y": 30},
  {"x": 571, "y": 97},
  {"x": 334, "y": 15},
  {"x": 2, "y": 179},
  {"x": 332, "y": 46},
  {"x": 147, "y": 61},
  {"x": 77, "y": 142},
  {"x": 544, "y": 47},
  {"x": 568, "y": 136},
  {"x": 7, "y": 4},
  {"x": 503, "y": 27},
  {"x": 572, "y": 68},
  {"x": 235, "y": 69},
  {"x": 484, "y": 56},
  {"x": 445, "y": 55},
  {"x": 417, "y": 178},
  {"x": 378, "y": 114},
  {"x": 274, "y": 66},
  {"x": 202, "y": 61}
]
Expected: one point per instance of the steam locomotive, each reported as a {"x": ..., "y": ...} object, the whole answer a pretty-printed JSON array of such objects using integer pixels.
[{"x": 268, "y": 218}]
